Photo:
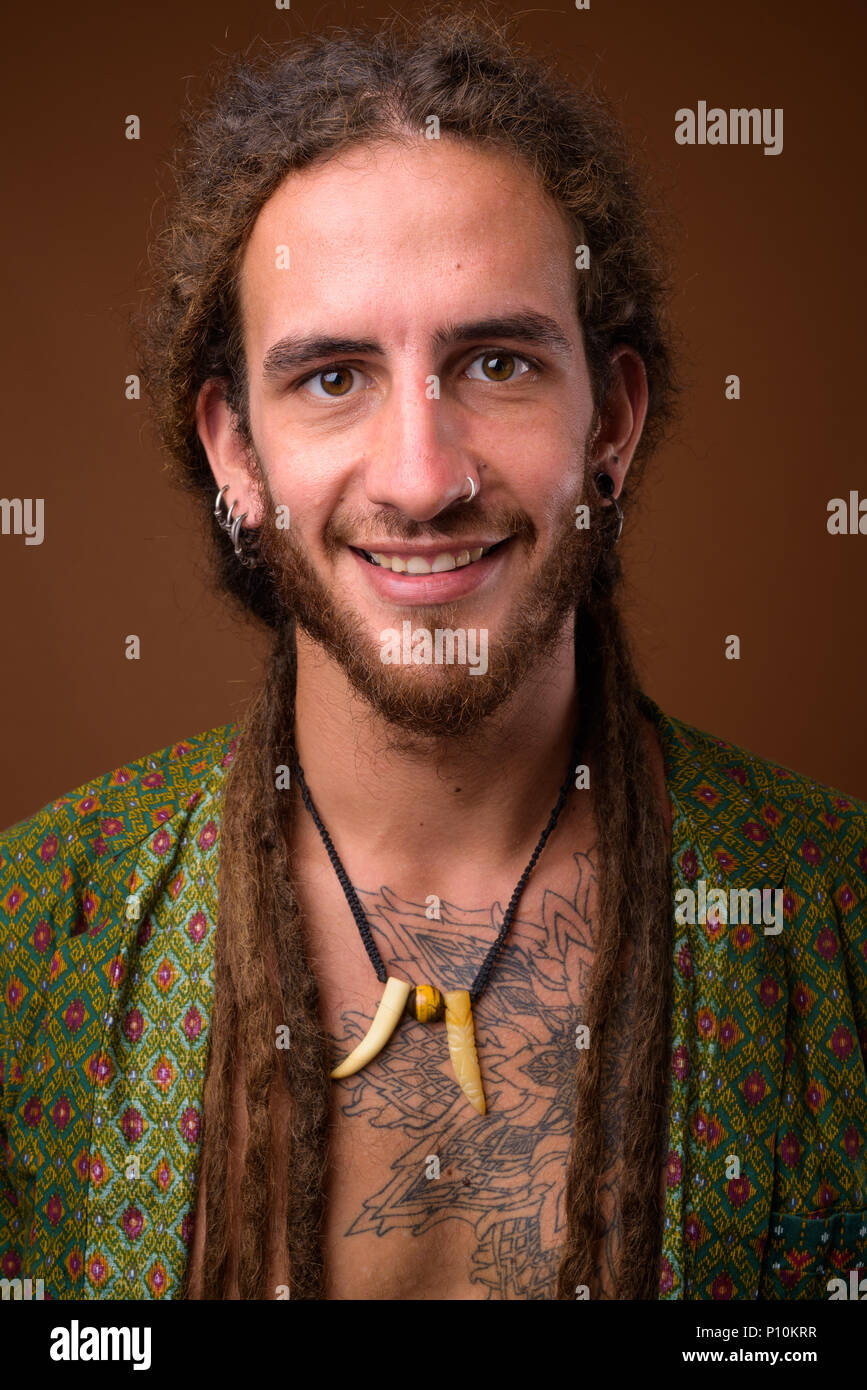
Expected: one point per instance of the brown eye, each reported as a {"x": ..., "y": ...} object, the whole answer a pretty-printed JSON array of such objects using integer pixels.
[
  {"x": 498, "y": 366},
  {"x": 336, "y": 381},
  {"x": 330, "y": 383}
]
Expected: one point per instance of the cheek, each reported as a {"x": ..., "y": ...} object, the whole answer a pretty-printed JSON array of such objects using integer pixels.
[
  {"x": 548, "y": 471},
  {"x": 303, "y": 478}
]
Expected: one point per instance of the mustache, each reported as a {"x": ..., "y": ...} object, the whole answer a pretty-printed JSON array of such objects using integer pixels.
[{"x": 388, "y": 524}]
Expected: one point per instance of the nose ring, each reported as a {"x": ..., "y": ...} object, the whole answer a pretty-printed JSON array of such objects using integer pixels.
[{"x": 473, "y": 490}]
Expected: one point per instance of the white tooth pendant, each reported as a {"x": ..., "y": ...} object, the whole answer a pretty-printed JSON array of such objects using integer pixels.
[
  {"x": 385, "y": 1020},
  {"x": 462, "y": 1047}
]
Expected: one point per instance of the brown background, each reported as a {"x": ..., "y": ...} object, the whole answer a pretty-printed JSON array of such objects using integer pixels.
[{"x": 732, "y": 534}]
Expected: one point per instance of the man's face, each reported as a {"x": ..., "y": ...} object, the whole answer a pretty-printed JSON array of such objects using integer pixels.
[{"x": 446, "y": 280}]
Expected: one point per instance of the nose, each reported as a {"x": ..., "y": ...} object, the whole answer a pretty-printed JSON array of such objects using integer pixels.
[{"x": 419, "y": 458}]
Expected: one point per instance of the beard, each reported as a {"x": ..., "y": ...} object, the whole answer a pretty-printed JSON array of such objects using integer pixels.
[{"x": 422, "y": 703}]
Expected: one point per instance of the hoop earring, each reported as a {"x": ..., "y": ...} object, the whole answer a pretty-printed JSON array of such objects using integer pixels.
[{"x": 232, "y": 526}]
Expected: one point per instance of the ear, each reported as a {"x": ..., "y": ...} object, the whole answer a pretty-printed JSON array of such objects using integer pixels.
[
  {"x": 230, "y": 461},
  {"x": 623, "y": 416}
]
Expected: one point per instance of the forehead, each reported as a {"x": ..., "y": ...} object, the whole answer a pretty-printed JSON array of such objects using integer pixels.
[{"x": 393, "y": 234}]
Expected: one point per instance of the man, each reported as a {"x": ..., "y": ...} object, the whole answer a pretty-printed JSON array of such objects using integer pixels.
[{"x": 407, "y": 343}]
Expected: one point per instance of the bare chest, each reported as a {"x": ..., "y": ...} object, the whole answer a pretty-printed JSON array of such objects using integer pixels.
[{"x": 426, "y": 1197}]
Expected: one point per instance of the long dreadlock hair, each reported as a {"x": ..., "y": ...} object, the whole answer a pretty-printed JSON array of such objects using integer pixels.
[{"x": 269, "y": 114}]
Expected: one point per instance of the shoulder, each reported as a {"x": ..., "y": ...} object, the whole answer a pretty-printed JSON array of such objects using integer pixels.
[
  {"x": 45, "y": 856},
  {"x": 711, "y": 775},
  {"x": 166, "y": 777},
  {"x": 744, "y": 820}
]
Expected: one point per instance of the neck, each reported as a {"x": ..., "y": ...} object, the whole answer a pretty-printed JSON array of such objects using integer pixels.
[{"x": 420, "y": 801}]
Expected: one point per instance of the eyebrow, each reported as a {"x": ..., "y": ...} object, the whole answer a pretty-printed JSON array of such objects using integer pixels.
[{"x": 527, "y": 326}]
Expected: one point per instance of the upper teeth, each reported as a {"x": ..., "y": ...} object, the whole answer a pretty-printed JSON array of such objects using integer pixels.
[{"x": 419, "y": 564}]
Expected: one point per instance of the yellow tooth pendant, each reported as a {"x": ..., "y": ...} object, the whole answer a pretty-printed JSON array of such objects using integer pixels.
[
  {"x": 462, "y": 1047},
  {"x": 426, "y": 1004}
]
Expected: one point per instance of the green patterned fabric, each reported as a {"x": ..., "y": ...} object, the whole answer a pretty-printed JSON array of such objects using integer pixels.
[{"x": 108, "y": 900}]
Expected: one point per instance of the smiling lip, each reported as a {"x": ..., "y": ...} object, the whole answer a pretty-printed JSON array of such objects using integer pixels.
[
  {"x": 415, "y": 589},
  {"x": 435, "y": 547}
]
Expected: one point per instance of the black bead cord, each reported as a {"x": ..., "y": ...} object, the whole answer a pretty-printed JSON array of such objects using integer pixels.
[{"x": 358, "y": 911}]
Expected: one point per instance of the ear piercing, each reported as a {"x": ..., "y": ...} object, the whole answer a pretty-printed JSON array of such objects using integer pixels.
[
  {"x": 605, "y": 484},
  {"x": 232, "y": 526}
]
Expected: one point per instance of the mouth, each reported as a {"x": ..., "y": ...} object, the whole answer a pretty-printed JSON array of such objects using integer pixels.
[{"x": 440, "y": 562}]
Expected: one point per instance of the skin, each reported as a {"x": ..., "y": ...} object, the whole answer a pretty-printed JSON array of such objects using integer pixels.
[
  {"x": 391, "y": 244},
  {"x": 488, "y": 1222}
]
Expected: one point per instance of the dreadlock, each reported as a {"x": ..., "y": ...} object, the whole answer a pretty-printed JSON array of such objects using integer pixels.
[
  {"x": 269, "y": 115},
  {"x": 634, "y": 905},
  {"x": 259, "y": 927}
]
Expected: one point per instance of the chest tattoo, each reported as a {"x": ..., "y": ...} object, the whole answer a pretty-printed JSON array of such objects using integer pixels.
[{"x": 503, "y": 1174}]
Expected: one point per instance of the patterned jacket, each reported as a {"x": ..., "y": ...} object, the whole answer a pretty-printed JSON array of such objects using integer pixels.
[{"x": 108, "y": 902}]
